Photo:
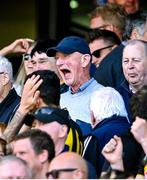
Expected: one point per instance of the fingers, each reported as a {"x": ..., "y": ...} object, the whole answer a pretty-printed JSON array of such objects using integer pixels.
[
  {"x": 117, "y": 139},
  {"x": 36, "y": 95},
  {"x": 138, "y": 122},
  {"x": 33, "y": 83},
  {"x": 137, "y": 125},
  {"x": 110, "y": 146},
  {"x": 30, "y": 94},
  {"x": 29, "y": 40},
  {"x": 20, "y": 45},
  {"x": 26, "y": 43},
  {"x": 139, "y": 129}
]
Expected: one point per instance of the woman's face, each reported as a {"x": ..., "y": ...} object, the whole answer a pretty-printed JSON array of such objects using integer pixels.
[{"x": 28, "y": 64}]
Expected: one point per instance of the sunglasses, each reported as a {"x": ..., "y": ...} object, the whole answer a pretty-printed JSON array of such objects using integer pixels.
[
  {"x": 55, "y": 173},
  {"x": 45, "y": 110},
  {"x": 97, "y": 53},
  {"x": 26, "y": 57}
]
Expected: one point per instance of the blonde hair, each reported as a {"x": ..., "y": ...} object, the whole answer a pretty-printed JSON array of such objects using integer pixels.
[
  {"x": 21, "y": 75},
  {"x": 112, "y": 14}
]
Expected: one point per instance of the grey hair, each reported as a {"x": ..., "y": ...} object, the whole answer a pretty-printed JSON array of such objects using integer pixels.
[
  {"x": 139, "y": 23},
  {"x": 107, "y": 102},
  {"x": 6, "y": 66},
  {"x": 140, "y": 26},
  {"x": 12, "y": 158},
  {"x": 136, "y": 42}
]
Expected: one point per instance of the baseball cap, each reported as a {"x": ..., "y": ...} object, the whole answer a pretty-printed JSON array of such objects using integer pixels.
[
  {"x": 70, "y": 45},
  {"x": 51, "y": 114}
]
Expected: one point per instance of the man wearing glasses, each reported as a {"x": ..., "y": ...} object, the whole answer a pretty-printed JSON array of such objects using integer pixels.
[
  {"x": 104, "y": 45},
  {"x": 110, "y": 17},
  {"x": 68, "y": 165}
]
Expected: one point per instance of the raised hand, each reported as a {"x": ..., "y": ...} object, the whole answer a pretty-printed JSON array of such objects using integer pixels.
[
  {"x": 18, "y": 46},
  {"x": 139, "y": 131},
  {"x": 30, "y": 94},
  {"x": 113, "y": 151}
]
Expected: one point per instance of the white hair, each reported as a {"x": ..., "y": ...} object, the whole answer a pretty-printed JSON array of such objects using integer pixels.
[
  {"x": 107, "y": 102},
  {"x": 6, "y": 66}
]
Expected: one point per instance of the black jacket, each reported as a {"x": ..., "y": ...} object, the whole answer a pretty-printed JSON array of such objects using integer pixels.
[
  {"x": 126, "y": 93},
  {"x": 100, "y": 135},
  {"x": 109, "y": 72},
  {"x": 9, "y": 106}
]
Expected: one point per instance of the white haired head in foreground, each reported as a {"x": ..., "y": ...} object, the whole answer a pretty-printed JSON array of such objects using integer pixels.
[
  {"x": 6, "y": 67},
  {"x": 105, "y": 103}
]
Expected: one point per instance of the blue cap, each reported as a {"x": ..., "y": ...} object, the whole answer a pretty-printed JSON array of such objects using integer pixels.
[{"x": 70, "y": 45}]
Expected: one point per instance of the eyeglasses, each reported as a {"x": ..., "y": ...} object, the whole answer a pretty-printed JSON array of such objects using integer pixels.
[
  {"x": 26, "y": 56},
  {"x": 97, "y": 53},
  {"x": 55, "y": 173}
]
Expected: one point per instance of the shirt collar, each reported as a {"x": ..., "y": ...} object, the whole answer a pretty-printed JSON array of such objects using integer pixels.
[
  {"x": 83, "y": 86},
  {"x": 131, "y": 89}
]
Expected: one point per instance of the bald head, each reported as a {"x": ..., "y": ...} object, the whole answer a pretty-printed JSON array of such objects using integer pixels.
[{"x": 71, "y": 166}]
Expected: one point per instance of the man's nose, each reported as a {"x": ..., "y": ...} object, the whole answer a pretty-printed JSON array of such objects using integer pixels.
[{"x": 59, "y": 61}]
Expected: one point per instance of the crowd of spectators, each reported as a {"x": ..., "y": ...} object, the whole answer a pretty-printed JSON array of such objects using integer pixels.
[{"x": 58, "y": 121}]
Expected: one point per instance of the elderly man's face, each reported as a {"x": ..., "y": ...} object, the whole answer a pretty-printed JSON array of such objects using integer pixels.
[
  {"x": 70, "y": 68},
  {"x": 135, "y": 65}
]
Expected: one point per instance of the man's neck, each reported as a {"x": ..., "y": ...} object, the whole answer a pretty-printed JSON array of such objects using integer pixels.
[
  {"x": 77, "y": 86},
  {"x": 41, "y": 173},
  {"x": 59, "y": 146}
]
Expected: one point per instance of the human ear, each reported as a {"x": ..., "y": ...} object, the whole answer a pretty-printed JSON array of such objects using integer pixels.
[
  {"x": 43, "y": 156},
  {"x": 85, "y": 60},
  {"x": 63, "y": 131}
]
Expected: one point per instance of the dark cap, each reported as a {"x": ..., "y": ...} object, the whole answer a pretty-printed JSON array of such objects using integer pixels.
[
  {"x": 70, "y": 45},
  {"x": 50, "y": 114}
]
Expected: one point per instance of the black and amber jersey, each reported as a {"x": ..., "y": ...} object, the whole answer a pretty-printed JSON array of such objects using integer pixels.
[{"x": 75, "y": 139}]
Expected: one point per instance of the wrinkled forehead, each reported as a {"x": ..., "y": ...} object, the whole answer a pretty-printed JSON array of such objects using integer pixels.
[{"x": 135, "y": 50}]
